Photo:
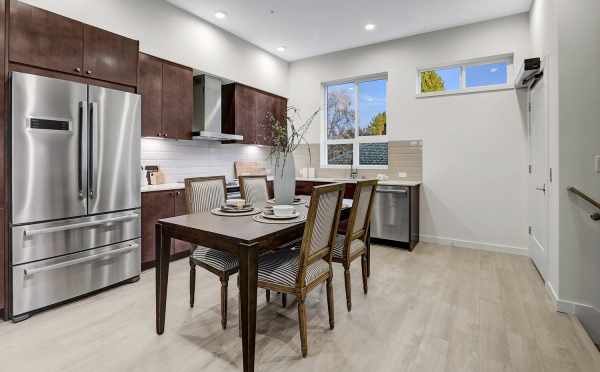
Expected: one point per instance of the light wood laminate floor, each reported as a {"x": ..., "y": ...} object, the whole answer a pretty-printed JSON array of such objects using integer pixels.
[{"x": 436, "y": 309}]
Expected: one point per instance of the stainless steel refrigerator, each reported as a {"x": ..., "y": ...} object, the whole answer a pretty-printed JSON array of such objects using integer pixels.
[{"x": 75, "y": 190}]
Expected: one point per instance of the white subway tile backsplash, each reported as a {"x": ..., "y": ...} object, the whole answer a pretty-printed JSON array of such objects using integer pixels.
[{"x": 183, "y": 159}]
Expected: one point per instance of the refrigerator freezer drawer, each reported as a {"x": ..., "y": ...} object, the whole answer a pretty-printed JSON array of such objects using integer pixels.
[
  {"x": 48, "y": 282},
  {"x": 47, "y": 240}
]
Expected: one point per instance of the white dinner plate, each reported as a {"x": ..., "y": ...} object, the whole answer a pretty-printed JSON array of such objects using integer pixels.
[{"x": 274, "y": 217}]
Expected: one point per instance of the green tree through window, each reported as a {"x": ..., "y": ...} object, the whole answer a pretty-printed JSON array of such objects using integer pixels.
[
  {"x": 376, "y": 126},
  {"x": 431, "y": 81}
]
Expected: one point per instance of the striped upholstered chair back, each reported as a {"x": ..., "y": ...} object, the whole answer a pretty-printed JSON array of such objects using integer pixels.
[
  {"x": 254, "y": 189},
  {"x": 321, "y": 226},
  {"x": 360, "y": 216},
  {"x": 363, "y": 200},
  {"x": 205, "y": 193}
]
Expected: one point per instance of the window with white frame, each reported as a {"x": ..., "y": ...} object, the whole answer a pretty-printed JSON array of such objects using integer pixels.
[
  {"x": 355, "y": 132},
  {"x": 475, "y": 75}
]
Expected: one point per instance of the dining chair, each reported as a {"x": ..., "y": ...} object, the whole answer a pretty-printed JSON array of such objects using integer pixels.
[
  {"x": 299, "y": 271},
  {"x": 353, "y": 244},
  {"x": 204, "y": 194},
  {"x": 255, "y": 190}
]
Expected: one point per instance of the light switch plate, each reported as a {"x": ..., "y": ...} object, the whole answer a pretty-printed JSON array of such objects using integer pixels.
[
  {"x": 597, "y": 163},
  {"x": 402, "y": 174}
]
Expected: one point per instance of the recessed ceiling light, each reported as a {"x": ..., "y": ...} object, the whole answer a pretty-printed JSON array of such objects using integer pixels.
[
  {"x": 220, "y": 15},
  {"x": 281, "y": 49},
  {"x": 369, "y": 27}
]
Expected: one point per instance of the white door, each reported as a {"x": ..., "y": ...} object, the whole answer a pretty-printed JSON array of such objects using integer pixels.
[{"x": 539, "y": 177}]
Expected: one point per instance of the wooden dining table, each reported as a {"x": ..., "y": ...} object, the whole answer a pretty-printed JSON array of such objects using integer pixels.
[{"x": 238, "y": 235}]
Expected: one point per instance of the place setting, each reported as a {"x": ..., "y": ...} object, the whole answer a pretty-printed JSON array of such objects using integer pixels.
[
  {"x": 236, "y": 208},
  {"x": 279, "y": 214},
  {"x": 297, "y": 201}
]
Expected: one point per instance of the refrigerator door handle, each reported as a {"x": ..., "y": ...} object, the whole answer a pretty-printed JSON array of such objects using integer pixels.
[
  {"x": 93, "y": 119},
  {"x": 78, "y": 261},
  {"x": 82, "y": 110}
]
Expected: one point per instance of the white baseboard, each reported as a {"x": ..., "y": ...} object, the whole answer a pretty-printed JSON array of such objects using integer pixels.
[
  {"x": 560, "y": 305},
  {"x": 490, "y": 247},
  {"x": 587, "y": 315}
]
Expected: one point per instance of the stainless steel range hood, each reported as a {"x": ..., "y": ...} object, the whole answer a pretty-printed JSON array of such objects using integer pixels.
[{"x": 207, "y": 111}]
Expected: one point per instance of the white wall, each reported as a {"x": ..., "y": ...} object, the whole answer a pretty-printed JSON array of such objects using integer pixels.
[
  {"x": 579, "y": 113},
  {"x": 474, "y": 146},
  {"x": 567, "y": 34},
  {"x": 170, "y": 33}
]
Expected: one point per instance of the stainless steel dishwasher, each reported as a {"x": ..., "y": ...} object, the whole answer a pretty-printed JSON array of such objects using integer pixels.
[
  {"x": 391, "y": 217},
  {"x": 395, "y": 216}
]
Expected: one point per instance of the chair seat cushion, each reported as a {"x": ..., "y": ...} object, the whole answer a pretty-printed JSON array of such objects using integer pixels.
[
  {"x": 281, "y": 268},
  {"x": 216, "y": 259},
  {"x": 356, "y": 246}
]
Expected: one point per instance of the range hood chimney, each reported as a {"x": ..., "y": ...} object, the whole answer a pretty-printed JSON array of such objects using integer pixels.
[{"x": 207, "y": 111}]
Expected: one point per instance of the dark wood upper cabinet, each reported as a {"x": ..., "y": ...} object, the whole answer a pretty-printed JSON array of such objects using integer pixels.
[
  {"x": 177, "y": 102},
  {"x": 49, "y": 41},
  {"x": 44, "y": 39},
  {"x": 109, "y": 56},
  {"x": 167, "y": 98},
  {"x": 150, "y": 86},
  {"x": 244, "y": 112}
]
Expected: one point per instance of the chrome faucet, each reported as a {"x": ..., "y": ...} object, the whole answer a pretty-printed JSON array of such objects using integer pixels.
[{"x": 353, "y": 172}]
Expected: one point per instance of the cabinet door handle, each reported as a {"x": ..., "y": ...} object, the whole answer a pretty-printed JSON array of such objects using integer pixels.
[
  {"x": 89, "y": 72},
  {"x": 158, "y": 134},
  {"x": 165, "y": 134},
  {"x": 77, "y": 69}
]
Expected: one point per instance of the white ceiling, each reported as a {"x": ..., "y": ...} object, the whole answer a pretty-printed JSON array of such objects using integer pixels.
[{"x": 311, "y": 27}]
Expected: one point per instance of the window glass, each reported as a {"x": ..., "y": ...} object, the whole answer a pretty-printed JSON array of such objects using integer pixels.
[
  {"x": 341, "y": 111},
  {"x": 440, "y": 80},
  {"x": 373, "y": 153},
  {"x": 486, "y": 74},
  {"x": 339, "y": 154},
  {"x": 372, "y": 96}
]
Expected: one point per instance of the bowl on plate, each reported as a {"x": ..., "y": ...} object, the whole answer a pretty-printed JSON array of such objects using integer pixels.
[
  {"x": 283, "y": 210},
  {"x": 235, "y": 203}
]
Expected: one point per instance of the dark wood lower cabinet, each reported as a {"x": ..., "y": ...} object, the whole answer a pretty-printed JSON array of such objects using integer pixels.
[
  {"x": 3, "y": 264},
  {"x": 305, "y": 188},
  {"x": 155, "y": 206},
  {"x": 180, "y": 208}
]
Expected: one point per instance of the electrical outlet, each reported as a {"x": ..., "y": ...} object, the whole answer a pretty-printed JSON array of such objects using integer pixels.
[
  {"x": 597, "y": 163},
  {"x": 402, "y": 174}
]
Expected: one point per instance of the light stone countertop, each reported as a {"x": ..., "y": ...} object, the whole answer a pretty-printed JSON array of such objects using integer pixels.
[
  {"x": 181, "y": 185},
  {"x": 394, "y": 182},
  {"x": 163, "y": 187}
]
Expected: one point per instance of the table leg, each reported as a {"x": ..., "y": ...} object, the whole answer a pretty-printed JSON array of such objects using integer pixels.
[
  {"x": 248, "y": 279},
  {"x": 162, "y": 250},
  {"x": 369, "y": 251}
]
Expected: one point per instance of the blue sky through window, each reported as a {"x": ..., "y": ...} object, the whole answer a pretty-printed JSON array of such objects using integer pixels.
[
  {"x": 488, "y": 74},
  {"x": 451, "y": 77},
  {"x": 372, "y": 100}
]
